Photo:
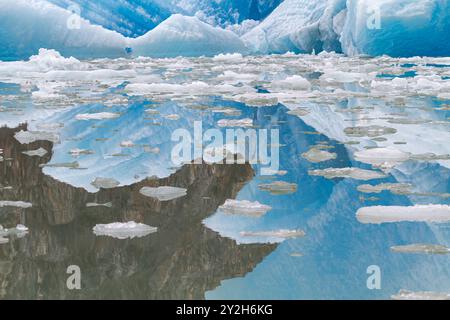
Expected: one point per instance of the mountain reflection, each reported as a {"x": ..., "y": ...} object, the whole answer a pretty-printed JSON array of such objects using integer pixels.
[{"x": 180, "y": 261}]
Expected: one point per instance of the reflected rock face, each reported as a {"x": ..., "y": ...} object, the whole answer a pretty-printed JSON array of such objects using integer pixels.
[{"x": 182, "y": 260}]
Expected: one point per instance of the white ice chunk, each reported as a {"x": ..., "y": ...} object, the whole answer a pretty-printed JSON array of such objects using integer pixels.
[
  {"x": 128, "y": 230},
  {"x": 244, "y": 207},
  {"x": 164, "y": 193},
  {"x": 417, "y": 213}
]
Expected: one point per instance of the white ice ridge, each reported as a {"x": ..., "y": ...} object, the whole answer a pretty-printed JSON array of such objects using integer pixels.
[{"x": 417, "y": 213}]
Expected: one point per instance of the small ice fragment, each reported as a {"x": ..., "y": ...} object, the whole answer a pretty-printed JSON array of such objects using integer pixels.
[
  {"x": 283, "y": 234},
  {"x": 154, "y": 150},
  {"x": 316, "y": 155},
  {"x": 172, "y": 117},
  {"x": 235, "y": 123},
  {"x": 420, "y": 295},
  {"x": 50, "y": 126},
  {"x": 164, "y": 193},
  {"x": 279, "y": 187},
  {"x": 97, "y": 116},
  {"x": 127, "y": 144},
  {"x": 70, "y": 165},
  {"x": 26, "y": 137},
  {"x": 21, "y": 228},
  {"x": 244, "y": 207},
  {"x": 421, "y": 248},
  {"x": 105, "y": 183},
  {"x": 36, "y": 153},
  {"x": 388, "y": 157},
  {"x": 93, "y": 205},
  {"x": 370, "y": 131},
  {"x": 353, "y": 173},
  {"x": 16, "y": 204},
  {"x": 299, "y": 112},
  {"x": 395, "y": 188},
  {"x": 128, "y": 230},
  {"x": 417, "y": 213},
  {"x": 78, "y": 152}
]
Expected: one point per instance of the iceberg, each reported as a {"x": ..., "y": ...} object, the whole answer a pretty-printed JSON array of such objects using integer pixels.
[
  {"x": 186, "y": 36},
  {"x": 28, "y": 25},
  {"x": 399, "y": 28},
  {"x": 421, "y": 248}
]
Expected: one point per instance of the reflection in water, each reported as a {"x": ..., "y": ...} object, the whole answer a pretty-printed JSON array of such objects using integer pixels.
[{"x": 182, "y": 260}]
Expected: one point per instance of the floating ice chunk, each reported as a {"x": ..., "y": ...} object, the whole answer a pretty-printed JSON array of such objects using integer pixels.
[
  {"x": 421, "y": 248},
  {"x": 173, "y": 117},
  {"x": 164, "y": 193},
  {"x": 93, "y": 205},
  {"x": 279, "y": 187},
  {"x": 70, "y": 165},
  {"x": 299, "y": 112},
  {"x": 235, "y": 123},
  {"x": 78, "y": 152},
  {"x": 26, "y": 137},
  {"x": 353, "y": 173},
  {"x": 292, "y": 83},
  {"x": 395, "y": 188},
  {"x": 36, "y": 153},
  {"x": 127, "y": 144},
  {"x": 50, "y": 126},
  {"x": 258, "y": 99},
  {"x": 388, "y": 157},
  {"x": 281, "y": 234},
  {"x": 316, "y": 155},
  {"x": 128, "y": 230},
  {"x": 228, "y": 58},
  {"x": 369, "y": 131},
  {"x": 343, "y": 77},
  {"x": 97, "y": 116},
  {"x": 420, "y": 295},
  {"x": 244, "y": 207},
  {"x": 418, "y": 213},
  {"x": 105, "y": 183},
  {"x": 16, "y": 204}
]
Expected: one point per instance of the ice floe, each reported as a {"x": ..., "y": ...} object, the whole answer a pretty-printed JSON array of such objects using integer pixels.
[
  {"x": 420, "y": 295},
  {"x": 417, "y": 213},
  {"x": 105, "y": 183},
  {"x": 164, "y": 193},
  {"x": 279, "y": 187},
  {"x": 244, "y": 207},
  {"x": 353, "y": 173},
  {"x": 421, "y": 248},
  {"x": 36, "y": 153},
  {"x": 128, "y": 230},
  {"x": 316, "y": 155},
  {"x": 15, "y": 204}
]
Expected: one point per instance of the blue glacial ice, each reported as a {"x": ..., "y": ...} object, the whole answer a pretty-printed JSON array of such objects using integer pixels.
[{"x": 376, "y": 27}]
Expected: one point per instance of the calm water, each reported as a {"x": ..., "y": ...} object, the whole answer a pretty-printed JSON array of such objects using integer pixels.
[{"x": 198, "y": 251}]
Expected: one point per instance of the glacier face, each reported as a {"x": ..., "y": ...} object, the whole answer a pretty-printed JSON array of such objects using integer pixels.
[
  {"x": 394, "y": 27},
  {"x": 397, "y": 28},
  {"x": 186, "y": 36}
]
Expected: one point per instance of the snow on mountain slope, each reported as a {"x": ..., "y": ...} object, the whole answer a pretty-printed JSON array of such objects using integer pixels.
[
  {"x": 186, "y": 36},
  {"x": 374, "y": 27},
  {"x": 28, "y": 25}
]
